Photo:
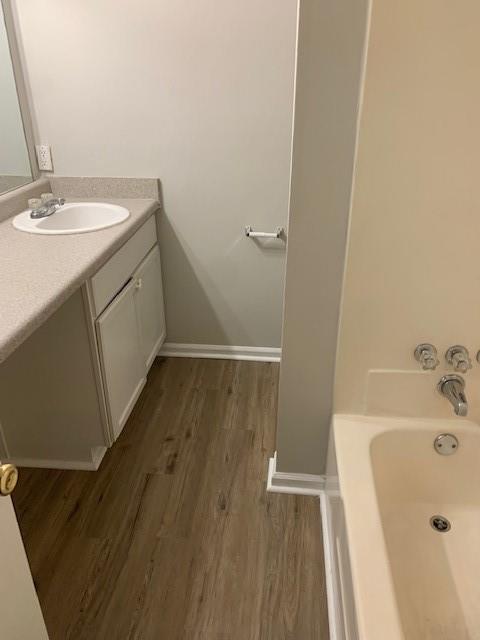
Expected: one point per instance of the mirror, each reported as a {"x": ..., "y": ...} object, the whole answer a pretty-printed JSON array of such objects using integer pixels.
[{"x": 15, "y": 169}]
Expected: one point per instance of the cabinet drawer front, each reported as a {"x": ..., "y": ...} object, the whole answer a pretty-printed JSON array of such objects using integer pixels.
[{"x": 113, "y": 275}]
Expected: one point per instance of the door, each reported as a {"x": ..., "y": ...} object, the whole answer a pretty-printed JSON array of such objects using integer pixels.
[
  {"x": 123, "y": 369},
  {"x": 149, "y": 305},
  {"x": 20, "y": 614}
]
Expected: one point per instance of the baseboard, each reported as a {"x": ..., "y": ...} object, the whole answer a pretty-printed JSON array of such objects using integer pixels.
[
  {"x": 299, "y": 483},
  {"x": 97, "y": 456},
  {"x": 75, "y": 465},
  {"x": 220, "y": 352}
]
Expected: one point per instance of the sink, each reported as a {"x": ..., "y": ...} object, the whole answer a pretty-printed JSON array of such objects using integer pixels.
[{"x": 73, "y": 217}]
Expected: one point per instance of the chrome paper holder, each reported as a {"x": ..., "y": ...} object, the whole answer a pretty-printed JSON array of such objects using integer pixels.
[{"x": 250, "y": 233}]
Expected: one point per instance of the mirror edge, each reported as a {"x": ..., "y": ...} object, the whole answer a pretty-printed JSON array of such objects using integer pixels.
[{"x": 9, "y": 12}]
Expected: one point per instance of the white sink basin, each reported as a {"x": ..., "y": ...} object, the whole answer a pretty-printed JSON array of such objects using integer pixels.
[{"x": 74, "y": 217}]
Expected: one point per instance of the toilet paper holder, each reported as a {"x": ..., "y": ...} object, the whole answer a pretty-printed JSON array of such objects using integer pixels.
[{"x": 250, "y": 233}]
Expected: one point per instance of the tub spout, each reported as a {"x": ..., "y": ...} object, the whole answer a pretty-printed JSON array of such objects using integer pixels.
[{"x": 452, "y": 387}]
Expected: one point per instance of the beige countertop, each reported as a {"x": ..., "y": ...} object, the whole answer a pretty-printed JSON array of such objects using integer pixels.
[{"x": 39, "y": 272}]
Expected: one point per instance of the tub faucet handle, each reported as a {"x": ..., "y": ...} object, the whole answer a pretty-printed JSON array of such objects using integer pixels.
[
  {"x": 459, "y": 358},
  {"x": 426, "y": 355}
]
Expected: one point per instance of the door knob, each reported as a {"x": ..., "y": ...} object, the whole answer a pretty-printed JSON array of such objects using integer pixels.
[{"x": 8, "y": 478}]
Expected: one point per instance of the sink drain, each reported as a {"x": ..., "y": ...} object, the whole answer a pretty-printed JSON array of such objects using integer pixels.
[{"x": 439, "y": 523}]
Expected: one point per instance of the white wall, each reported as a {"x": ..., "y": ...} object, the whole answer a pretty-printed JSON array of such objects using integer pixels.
[
  {"x": 413, "y": 269},
  {"x": 198, "y": 93},
  {"x": 330, "y": 46},
  {"x": 13, "y": 150}
]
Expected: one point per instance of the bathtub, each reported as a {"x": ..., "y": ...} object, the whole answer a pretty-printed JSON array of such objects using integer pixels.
[{"x": 412, "y": 578}]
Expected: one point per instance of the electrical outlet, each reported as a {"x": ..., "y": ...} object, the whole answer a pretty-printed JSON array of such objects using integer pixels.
[{"x": 44, "y": 157}]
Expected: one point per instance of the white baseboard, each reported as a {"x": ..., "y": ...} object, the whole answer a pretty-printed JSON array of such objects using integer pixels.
[
  {"x": 97, "y": 456},
  {"x": 220, "y": 351},
  {"x": 75, "y": 465},
  {"x": 299, "y": 483}
]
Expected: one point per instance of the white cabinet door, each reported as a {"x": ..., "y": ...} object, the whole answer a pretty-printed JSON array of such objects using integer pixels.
[
  {"x": 149, "y": 304},
  {"x": 120, "y": 353},
  {"x": 20, "y": 614}
]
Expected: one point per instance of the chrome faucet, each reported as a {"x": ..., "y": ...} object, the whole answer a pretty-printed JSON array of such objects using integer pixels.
[
  {"x": 47, "y": 208},
  {"x": 452, "y": 387}
]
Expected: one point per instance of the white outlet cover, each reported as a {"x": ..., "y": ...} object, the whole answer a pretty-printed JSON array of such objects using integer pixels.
[{"x": 44, "y": 157}]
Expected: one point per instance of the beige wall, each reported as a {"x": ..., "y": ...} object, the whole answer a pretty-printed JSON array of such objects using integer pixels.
[
  {"x": 198, "y": 93},
  {"x": 330, "y": 46},
  {"x": 413, "y": 267}
]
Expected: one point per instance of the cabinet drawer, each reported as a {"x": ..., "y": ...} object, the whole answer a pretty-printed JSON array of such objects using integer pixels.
[{"x": 113, "y": 275}]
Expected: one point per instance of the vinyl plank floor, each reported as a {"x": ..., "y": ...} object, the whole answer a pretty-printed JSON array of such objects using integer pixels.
[{"x": 175, "y": 537}]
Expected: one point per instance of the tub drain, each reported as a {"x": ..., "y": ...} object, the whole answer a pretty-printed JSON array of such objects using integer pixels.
[{"x": 439, "y": 523}]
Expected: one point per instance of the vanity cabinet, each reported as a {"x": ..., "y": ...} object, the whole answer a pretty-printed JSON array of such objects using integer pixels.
[
  {"x": 130, "y": 332},
  {"x": 68, "y": 390},
  {"x": 131, "y": 329}
]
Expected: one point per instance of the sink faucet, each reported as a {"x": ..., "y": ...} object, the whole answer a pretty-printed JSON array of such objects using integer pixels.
[
  {"x": 452, "y": 387},
  {"x": 47, "y": 208}
]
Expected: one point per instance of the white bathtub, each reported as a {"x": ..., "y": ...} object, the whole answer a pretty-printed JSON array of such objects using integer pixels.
[{"x": 411, "y": 582}]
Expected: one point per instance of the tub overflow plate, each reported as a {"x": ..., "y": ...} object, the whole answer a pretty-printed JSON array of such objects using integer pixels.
[{"x": 445, "y": 444}]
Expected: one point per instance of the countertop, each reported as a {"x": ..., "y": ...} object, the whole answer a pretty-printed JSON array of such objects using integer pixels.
[{"x": 39, "y": 272}]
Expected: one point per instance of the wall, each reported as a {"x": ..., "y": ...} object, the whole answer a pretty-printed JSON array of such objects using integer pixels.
[
  {"x": 198, "y": 93},
  {"x": 13, "y": 150},
  {"x": 413, "y": 262},
  {"x": 330, "y": 47}
]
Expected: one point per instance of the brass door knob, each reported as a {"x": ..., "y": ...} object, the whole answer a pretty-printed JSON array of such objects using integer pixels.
[{"x": 8, "y": 478}]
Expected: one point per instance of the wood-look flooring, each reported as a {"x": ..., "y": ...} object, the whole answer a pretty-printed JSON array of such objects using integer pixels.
[{"x": 175, "y": 536}]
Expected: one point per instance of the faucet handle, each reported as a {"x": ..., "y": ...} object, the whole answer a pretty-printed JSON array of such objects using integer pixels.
[
  {"x": 426, "y": 355},
  {"x": 459, "y": 358}
]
